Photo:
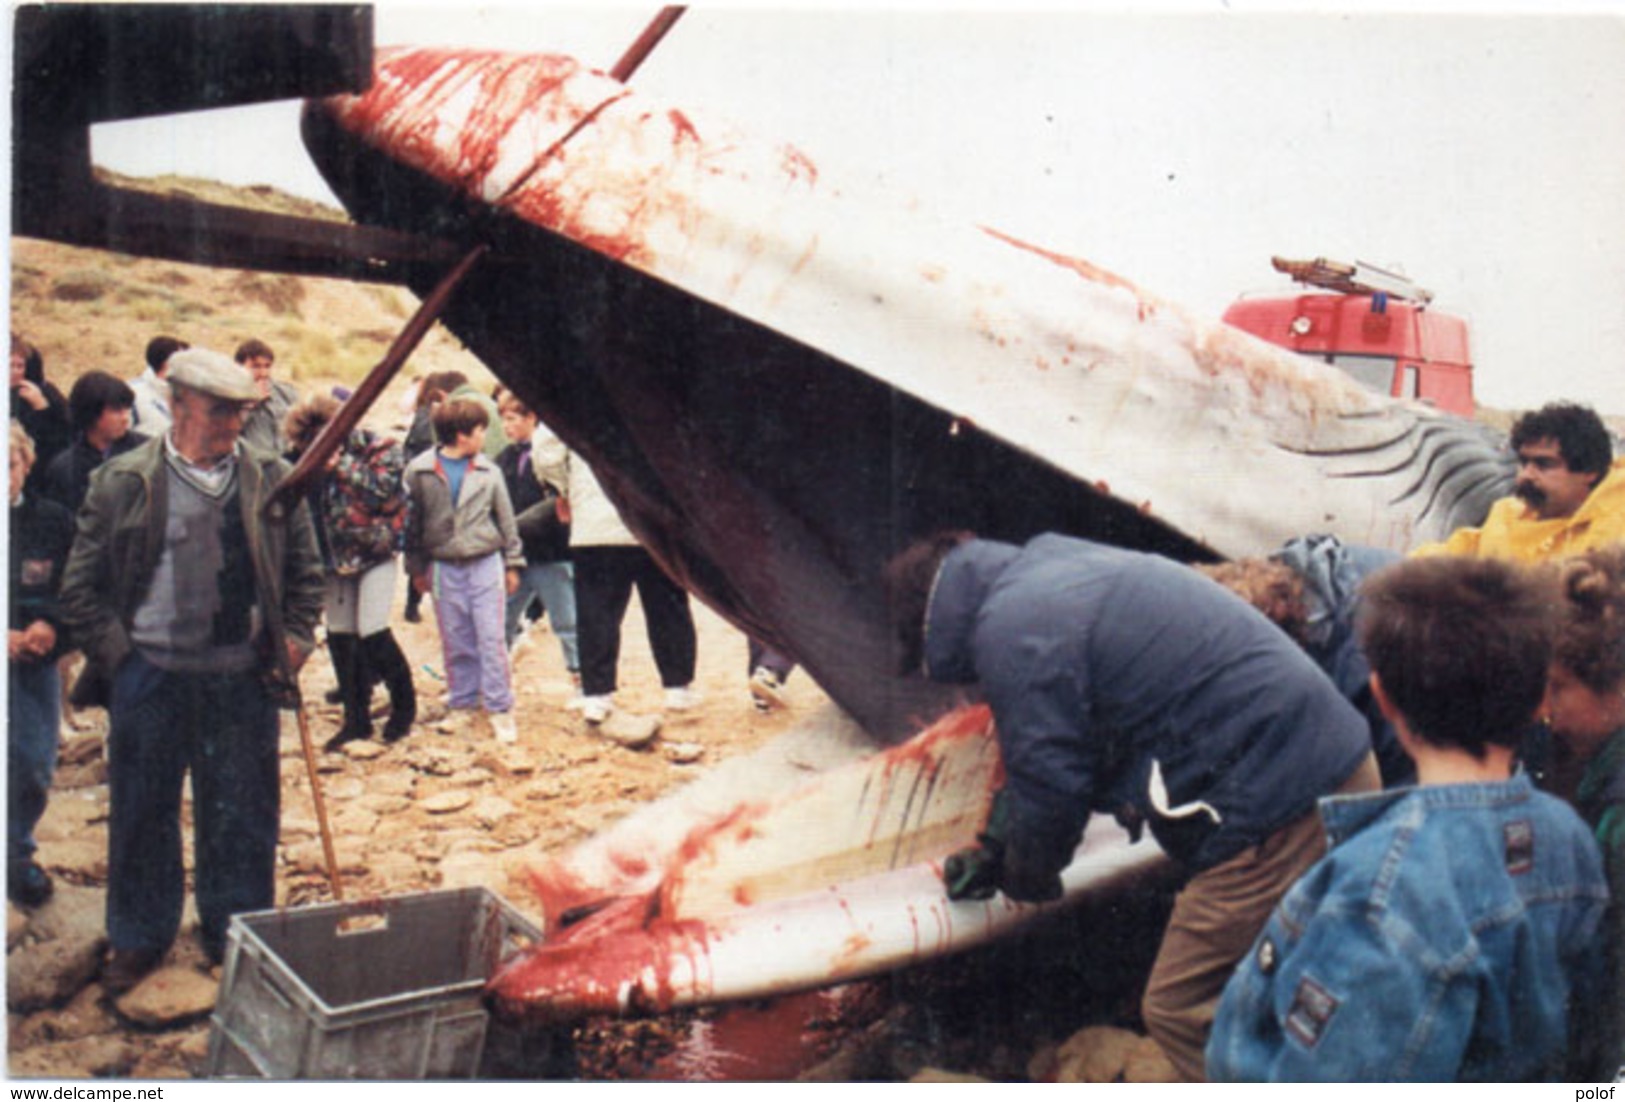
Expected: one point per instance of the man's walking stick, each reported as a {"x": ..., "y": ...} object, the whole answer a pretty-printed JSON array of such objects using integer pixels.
[{"x": 316, "y": 794}]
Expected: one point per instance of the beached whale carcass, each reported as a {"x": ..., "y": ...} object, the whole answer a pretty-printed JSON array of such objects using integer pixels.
[{"x": 781, "y": 382}]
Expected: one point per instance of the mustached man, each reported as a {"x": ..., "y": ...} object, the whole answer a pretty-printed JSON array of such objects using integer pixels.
[{"x": 1569, "y": 496}]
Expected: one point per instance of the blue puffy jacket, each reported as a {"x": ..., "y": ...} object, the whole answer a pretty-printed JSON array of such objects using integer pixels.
[
  {"x": 1111, "y": 670},
  {"x": 1332, "y": 572}
]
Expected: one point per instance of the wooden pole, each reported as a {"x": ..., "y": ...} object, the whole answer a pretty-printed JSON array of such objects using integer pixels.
[
  {"x": 646, "y": 42},
  {"x": 332, "y": 437}
]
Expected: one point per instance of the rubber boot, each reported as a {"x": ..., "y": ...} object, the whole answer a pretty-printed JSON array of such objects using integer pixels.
[
  {"x": 345, "y": 651},
  {"x": 382, "y": 656}
]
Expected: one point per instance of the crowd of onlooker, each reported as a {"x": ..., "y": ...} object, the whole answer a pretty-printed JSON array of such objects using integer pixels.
[
  {"x": 1399, "y": 793},
  {"x": 147, "y": 534}
]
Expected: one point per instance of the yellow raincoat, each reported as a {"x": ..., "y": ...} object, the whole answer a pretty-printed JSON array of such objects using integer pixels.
[{"x": 1512, "y": 531}]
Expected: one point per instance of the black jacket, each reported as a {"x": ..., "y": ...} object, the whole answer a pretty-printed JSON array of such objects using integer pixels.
[
  {"x": 67, "y": 480},
  {"x": 48, "y": 428},
  {"x": 41, "y": 536},
  {"x": 544, "y": 536}
]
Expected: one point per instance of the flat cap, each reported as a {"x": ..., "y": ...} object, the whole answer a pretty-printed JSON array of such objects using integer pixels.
[{"x": 212, "y": 373}]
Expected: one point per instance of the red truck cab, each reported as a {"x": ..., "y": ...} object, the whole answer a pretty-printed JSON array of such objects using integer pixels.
[{"x": 1375, "y": 325}]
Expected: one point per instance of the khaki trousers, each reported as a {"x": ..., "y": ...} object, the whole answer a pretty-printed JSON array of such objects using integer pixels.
[{"x": 1216, "y": 918}]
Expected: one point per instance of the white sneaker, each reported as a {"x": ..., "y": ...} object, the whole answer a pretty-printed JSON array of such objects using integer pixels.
[
  {"x": 502, "y": 726},
  {"x": 682, "y": 699},
  {"x": 596, "y": 709},
  {"x": 766, "y": 689}
]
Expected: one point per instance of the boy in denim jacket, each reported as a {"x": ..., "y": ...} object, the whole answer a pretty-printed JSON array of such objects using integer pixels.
[{"x": 1441, "y": 936}]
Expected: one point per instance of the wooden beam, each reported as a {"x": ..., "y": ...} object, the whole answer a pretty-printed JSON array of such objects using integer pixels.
[{"x": 196, "y": 232}]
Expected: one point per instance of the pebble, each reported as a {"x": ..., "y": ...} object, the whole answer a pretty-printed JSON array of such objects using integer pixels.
[
  {"x": 354, "y": 822},
  {"x": 515, "y": 831},
  {"x": 364, "y": 750},
  {"x": 630, "y": 730},
  {"x": 472, "y": 777},
  {"x": 346, "y": 788},
  {"x": 443, "y": 803},
  {"x": 384, "y": 803},
  {"x": 469, "y": 840},
  {"x": 61, "y": 950},
  {"x": 169, "y": 996},
  {"x": 491, "y": 810},
  {"x": 684, "y": 753},
  {"x": 397, "y": 782},
  {"x": 440, "y": 760},
  {"x": 549, "y": 788}
]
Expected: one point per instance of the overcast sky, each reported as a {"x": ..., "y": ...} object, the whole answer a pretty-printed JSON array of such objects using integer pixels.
[{"x": 1481, "y": 154}]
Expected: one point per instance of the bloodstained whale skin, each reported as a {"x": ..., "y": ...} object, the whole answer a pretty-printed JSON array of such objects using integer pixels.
[
  {"x": 733, "y": 919},
  {"x": 780, "y": 384}
]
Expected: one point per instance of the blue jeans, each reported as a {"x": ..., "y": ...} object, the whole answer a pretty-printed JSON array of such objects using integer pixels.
[
  {"x": 223, "y": 728},
  {"x": 33, "y": 714},
  {"x": 552, "y": 583}
]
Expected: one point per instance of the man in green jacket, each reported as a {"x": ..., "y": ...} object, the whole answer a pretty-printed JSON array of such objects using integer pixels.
[{"x": 194, "y": 605}]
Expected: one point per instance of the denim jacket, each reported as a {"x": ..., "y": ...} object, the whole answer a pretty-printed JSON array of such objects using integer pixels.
[{"x": 1439, "y": 939}]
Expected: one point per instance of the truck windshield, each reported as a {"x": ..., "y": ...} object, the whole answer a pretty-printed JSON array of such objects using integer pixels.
[{"x": 1376, "y": 372}]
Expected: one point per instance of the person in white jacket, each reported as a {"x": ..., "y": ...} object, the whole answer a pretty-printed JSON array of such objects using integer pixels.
[{"x": 609, "y": 562}]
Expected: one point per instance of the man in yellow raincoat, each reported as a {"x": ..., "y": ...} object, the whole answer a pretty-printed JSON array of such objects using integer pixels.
[{"x": 1569, "y": 496}]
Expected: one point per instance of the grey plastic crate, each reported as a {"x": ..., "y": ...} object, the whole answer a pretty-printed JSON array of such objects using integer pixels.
[{"x": 381, "y": 989}]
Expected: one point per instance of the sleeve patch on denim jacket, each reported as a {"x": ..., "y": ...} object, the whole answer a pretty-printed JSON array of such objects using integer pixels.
[
  {"x": 1312, "y": 1010},
  {"x": 1520, "y": 846}
]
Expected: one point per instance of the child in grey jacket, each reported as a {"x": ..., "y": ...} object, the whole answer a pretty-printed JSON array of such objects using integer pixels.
[{"x": 463, "y": 546}]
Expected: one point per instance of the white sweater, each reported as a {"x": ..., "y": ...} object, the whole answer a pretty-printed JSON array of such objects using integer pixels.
[{"x": 594, "y": 521}]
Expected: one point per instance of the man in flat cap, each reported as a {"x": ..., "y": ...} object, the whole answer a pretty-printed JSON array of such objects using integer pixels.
[{"x": 192, "y": 604}]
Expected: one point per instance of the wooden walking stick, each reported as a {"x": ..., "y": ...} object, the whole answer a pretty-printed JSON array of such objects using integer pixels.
[{"x": 309, "y": 748}]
